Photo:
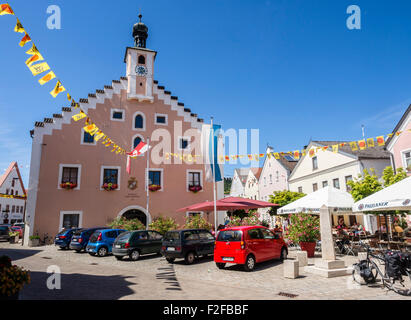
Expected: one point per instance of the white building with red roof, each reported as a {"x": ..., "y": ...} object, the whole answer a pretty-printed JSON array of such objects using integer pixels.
[{"x": 11, "y": 184}]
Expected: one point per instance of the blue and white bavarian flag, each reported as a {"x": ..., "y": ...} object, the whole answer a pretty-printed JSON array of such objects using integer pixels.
[{"x": 211, "y": 164}]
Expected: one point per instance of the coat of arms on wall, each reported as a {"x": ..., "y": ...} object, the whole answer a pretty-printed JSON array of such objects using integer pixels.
[{"x": 132, "y": 184}]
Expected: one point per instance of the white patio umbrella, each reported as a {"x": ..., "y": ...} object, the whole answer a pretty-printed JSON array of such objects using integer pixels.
[
  {"x": 394, "y": 197},
  {"x": 340, "y": 202}
]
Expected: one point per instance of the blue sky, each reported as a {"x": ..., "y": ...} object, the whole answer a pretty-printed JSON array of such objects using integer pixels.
[{"x": 289, "y": 68}]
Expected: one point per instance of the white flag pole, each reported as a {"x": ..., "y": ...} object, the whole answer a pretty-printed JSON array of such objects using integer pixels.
[
  {"x": 148, "y": 175},
  {"x": 214, "y": 169}
]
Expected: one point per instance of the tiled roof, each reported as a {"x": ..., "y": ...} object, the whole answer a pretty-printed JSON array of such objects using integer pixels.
[
  {"x": 289, "y": 165},
  {"x": 257, "y": 172},
  {"x": 8, "y": 171},
  {"x": 369, "y": 153}
]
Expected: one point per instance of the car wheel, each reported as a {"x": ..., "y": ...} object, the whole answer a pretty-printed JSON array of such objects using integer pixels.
[
  {"x": 102, "y": 252},
  {"x": 170, "y": 260},
  {"x": 135, "y": 255},
  {"x": 78, "y": 251},
  {"x": 92, "y": 254},
  {"x": 249, "y": 263},
  {"x": 119, "y": 257},
  {"x": 189, "y": 258},
  {"x": 220, "y": 265},
  {"x": 284, "y": 254}
]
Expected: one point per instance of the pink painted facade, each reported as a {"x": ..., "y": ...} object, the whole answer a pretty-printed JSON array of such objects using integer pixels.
[
  {"x": 59, "y": 144},
  {"x": 400, "y": 146}
]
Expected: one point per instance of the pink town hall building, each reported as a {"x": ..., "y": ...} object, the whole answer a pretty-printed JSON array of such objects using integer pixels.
[{"x": 133, "y": 109}]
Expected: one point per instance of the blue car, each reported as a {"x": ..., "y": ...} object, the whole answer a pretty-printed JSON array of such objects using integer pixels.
[
  {"x": 64, "y": 237},
  {"x": 80, "y": 238},
  {"x": 101, "y": 242}
]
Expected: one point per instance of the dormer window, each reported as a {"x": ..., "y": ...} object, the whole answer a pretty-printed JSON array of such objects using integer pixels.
[{"x": 141, "y": 60}]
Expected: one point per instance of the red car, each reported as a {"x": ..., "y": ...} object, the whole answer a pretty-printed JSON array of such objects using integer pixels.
[{"x": 248, "y": 245}]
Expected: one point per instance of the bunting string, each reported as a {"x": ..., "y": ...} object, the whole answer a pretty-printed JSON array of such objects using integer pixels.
[{"x": 38, "y": 66}]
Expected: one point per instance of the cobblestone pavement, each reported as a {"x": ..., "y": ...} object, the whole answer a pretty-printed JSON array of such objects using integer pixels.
[{"x": 87, "y": 277}]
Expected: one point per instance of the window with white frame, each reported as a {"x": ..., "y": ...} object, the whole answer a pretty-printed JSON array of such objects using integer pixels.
[
  {"x": 407, "y": 160},
  {"x": 161, "y": 119},
  {"x": 194, "y": 179},
  {"x": 117, "y": 115},
  {"x": 87, "y": 138},
  {"x": 69, "y": 220},
  {"x": 139, "y": 121},
  {"x": 155, "y": 178},
  {"x": 70, "y": 173},
  {"x": 111, "y": 175}
]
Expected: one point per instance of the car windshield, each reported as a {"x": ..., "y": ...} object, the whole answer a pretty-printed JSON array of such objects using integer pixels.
[
  {"x": 123, "y": 237},
  {"x": 230, "y": 235},
  {"x": 4, "y": 228},
  {"x": 172, "y": 236}
]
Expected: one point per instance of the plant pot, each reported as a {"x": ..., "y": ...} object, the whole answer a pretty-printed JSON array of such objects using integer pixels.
[
  {"x": 4, "y": 297},
  {"x": 309, "y": 247},
  {"x": 34, "y": 242},
  {"x": 14, "y": 239}
]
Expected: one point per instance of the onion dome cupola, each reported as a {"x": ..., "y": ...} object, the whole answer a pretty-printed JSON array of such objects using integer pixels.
[{"x": 140, "y": 34}]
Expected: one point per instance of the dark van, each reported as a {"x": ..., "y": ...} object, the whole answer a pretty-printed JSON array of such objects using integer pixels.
[
  {"x": 187, "y": 244},
  {"x": 136, "y": 243}
]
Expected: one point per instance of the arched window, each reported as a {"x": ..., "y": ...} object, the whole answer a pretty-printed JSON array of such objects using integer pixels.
[
  {"x": 139, "y": 122},
  {"x": 141, "y": 60},
  {"x": 137, "y": 140}
]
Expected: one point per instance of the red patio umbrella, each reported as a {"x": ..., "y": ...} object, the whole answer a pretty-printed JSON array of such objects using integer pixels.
[
  {"x": 250, "y": 203},
  {"x": 209, "y": 206}
]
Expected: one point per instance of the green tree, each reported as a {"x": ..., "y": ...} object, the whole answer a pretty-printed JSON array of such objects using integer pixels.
[
  {"x": 390, "y": 178},
  {"x": 364, "y": 185},
  {"x": 163, "y": 225},
  {"x": 129, "y": 225},
  {"x": 283, "y": 198},
  {"x": 197, "y": 222},
  {"x": 227, "y": 185}
]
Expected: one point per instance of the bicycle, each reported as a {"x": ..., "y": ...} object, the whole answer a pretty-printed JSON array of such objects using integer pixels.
[{"x": 368, "y": 271}]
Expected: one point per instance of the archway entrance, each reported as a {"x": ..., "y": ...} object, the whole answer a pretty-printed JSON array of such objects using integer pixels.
[{"x": 136, "y": 214}]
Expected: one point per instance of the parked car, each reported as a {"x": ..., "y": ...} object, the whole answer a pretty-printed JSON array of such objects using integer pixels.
[
  {"x": 19, "y": 224},
  {"x": 81, "y": 237},
  {"x": 63, "y": 238},
  {"x": 248, "y": 245},
  {"x": 4, "y": 232},
  {"x": 187, "y": 244},
  {"x": 101, "y": 241},
  {"x": 17, "y": 229},
  {"x": 136, "y": 243}
]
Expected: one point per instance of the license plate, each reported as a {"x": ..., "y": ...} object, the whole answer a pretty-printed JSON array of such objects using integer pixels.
[
  {"x": 228, "y": 259},
  {"x": 171, "y": 249},
  {"x": 117, "y": 246}
]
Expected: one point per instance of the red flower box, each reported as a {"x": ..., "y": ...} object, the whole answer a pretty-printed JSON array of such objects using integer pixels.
[
  {"x": 68, "y": 185},
  {"x": 154, "y": 187},
  {"x": 110, "y": 186},
  {"x": 195, "y": 189}
]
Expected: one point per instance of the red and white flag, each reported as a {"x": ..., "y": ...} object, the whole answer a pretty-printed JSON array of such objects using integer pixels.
[{"x": 139, "y": 150}]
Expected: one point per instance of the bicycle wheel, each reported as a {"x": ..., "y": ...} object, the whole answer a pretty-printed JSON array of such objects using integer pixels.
[
  {"x": 366, "y": 276},
  {"x": 401, "y": 286}
]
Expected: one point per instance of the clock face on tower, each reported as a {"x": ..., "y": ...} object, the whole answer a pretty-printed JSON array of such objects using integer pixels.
[{"x": 141, "y": 71}]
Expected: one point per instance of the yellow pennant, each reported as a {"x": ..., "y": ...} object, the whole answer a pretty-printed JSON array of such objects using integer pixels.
[
  {"x": 34, "y": 58},
  {"x": 362, "y": 144},
  {"x": 296, "y": 154},
  {"x": 370, "y": 143},
  {"x": 49, "y": 76},
  {"x": 390, "y": 135},
  {"x": 68, "y": 97},
  {"x": 380, "y": 141},
  {"x": 39, "y": 68},
  {"x": 19, "y": 27},
  {"x": 79, "y": 116},
  {"x": 276, "y": 155},
  {"x": 311, "y": 153},
  {"x": 335, "y": 148},
  {"x": 269, "y": 155},
  {"x": 98, "y": 136},
  {"x": 353, "y": 146},
  {"x": 57, "y": 89},
  {"x": 24, "y": 40},
  {"x": 91, "y": 129},
  {"x": 304, "y": 152},
  {"x": 5, "y": 9},
  {"x": 33, "y": 50},
  {"x": 398, "y": 133}
]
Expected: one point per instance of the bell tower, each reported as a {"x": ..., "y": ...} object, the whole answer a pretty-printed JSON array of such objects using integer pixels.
[{"x": 140, "y": 65}]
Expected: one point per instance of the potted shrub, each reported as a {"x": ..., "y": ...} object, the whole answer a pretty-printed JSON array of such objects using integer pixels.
[
  {"x": 154, "y": 187},
  {"x": 68, "y": 185},
  {"x": 305, "y": 230},
  {"x": 163, "y": 225},
  {"x": 197, "y": 222},
  {"x": 14, "y": 237},
  {"x": 129, "y": 225},
  {"x": 195, "y": 189},
  {"x": 12, "y": 279},
  {"x": 34, "y": 241},
  {"x": 110, "y": 186}
]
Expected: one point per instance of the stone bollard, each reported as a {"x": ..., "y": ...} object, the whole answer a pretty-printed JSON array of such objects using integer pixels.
[
  {"x": 291, "y": 269},
  {"x": 302, "y": 258}
]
